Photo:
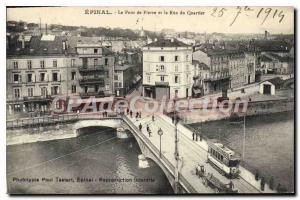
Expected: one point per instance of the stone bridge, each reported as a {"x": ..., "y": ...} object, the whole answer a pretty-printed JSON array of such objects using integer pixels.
[{"x": 149, "y": 151}]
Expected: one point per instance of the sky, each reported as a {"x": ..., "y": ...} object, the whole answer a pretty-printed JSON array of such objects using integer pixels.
[{"x": 194, "y": 19}]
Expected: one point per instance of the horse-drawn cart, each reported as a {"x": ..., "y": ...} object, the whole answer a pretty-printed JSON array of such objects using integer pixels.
[{"x": 219, "y": 187}]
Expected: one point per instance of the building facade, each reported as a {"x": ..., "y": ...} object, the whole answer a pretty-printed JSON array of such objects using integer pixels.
[
  {"x": 41, "y": 68},
  {"x": 227, "y": 68},
  {"x": 167, "y": 69},
  {"x": 36, "y": 73}
]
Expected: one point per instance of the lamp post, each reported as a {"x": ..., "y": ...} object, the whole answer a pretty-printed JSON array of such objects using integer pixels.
[
  {"x": 176, "y": 153},
  {"x": 160, "y": 133}
]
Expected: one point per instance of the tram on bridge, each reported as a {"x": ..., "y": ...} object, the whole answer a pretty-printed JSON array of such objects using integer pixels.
[{"x": 223, "y": 159}]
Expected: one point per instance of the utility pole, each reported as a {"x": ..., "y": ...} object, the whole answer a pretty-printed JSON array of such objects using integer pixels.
[
  {"x": 244, "y": 138},
  {"x": 176, "y": 153}
]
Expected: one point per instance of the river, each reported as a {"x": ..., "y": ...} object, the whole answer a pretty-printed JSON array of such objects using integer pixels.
[
  {"x": 269, "y": 143},
  {"x": 95, "y": 156}
]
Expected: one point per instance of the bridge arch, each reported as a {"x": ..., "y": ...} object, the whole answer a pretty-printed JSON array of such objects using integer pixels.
[
  {"x": 117, "y": 123},
  {"x": 112, "y": 123}
]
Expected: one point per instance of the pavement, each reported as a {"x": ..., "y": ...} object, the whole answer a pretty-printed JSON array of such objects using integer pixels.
[{"x": 191, "y": 153}]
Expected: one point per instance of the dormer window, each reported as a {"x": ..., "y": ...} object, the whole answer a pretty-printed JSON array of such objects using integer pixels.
[
  {"x": 42, "y": 64},
  {"x": 29, "y": 64},
  {"x": 16, "y": 64}
]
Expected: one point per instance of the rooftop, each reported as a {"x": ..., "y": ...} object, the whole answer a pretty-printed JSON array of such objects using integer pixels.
[
  {"x": 167, "y": 43},
  {"x": 264, "y": 58},
  {"x": 271, "y": 45},
  {"x": 282, "y": 58},
  {"x": 36, "y": 46},
  {"x": 123, "y": 67}
]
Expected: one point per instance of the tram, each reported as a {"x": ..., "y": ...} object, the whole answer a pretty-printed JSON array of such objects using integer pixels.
[{"x": 224, "y": 159}]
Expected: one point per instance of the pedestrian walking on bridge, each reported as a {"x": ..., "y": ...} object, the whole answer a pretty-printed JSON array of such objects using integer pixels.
[{"x": 140, "y": 127}]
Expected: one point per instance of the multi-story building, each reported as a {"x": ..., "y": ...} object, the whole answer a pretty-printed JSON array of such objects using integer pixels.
[
  {"x": 40, "y": 68},
  {"x": 36, "y": 72},
  {"x": 218, "y": 62},
  {"x": 201, "y": 73},
  {"x": 227, "y": 68},
  {"x": 92, "y": 69},
  {"x": 167, "y": 69},
  {"x": 124, "y": 79}
]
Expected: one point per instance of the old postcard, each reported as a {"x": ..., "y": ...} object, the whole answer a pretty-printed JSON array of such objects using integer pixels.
[{"x": 150, "y": 100}]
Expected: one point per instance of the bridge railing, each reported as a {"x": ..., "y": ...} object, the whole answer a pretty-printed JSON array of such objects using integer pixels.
[
  {"x": 53, "y": 119},
  {"x": 155, "y": 150}
]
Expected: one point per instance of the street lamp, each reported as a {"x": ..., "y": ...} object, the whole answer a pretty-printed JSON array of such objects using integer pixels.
[{"x": 160, "y": 133}]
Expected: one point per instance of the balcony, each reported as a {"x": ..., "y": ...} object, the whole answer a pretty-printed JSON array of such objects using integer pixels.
[
  {"x": 218, "y": 76},
  {"x": 37, "y": 98},
  {"x": 92, "y": 94},
  {"x": 92, "y": 80},
  {"x": 93, "y": 68}
]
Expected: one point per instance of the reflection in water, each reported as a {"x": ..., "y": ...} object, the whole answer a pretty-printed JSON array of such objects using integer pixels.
[
  {"x": 269, "y": 143},
  {"x": 89, "y": 157}
]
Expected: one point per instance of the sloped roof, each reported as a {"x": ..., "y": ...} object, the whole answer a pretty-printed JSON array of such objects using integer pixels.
[
  {"x": 271, "y": 45},
  {"x": 276, "y": 81},
  {"x": 36, "y": 47},
  {"x": 282, "y": 58},
  {"x": 264, "y": 58},
  {"x": 167, "y": 43}
]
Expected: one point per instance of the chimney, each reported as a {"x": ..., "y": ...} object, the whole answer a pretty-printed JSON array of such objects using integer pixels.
[
  {"x": 155, "y": 39},
  {"x": 64, "y": 45},
  {"x": 67, "y": 44},
  {"x": 172, "y": 39},
  {"x": 23, "y": 41}
]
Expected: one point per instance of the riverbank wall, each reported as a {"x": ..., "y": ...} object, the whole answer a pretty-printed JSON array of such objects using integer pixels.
[{"x": 253, "y": 108}]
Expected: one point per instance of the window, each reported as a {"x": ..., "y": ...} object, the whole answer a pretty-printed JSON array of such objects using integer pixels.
[
  {"x": 176, "y": 93},
  {"x": 187, "y": 57},
  {"x": 95, "y": 50},
  {"x": 148, "y": 79},
  {"x": 95, "y": 62},
  {"x": 16, "y": 78},
  {"x": 187, "y": 68},
  {"x": 85, "y": 89},
  {"x": 96, "y": 88},
  {"x": 16, "y": 65},
  {"x": 29, "y": 78},
  {"x": 42, "y": 64},
  {"x": 162, "y": 68},
  {"x": 73, "y": 63},
  {"x": 44, "y": 91},
  {"x": 73, "y": 88},
  {"x": 162, "y": 59},
  {"x": 54, "y": 76},
  {"x": 176, "y": 68},
  {"x": 17, "y": 92},
  {"x": 29, "y": 64},
  {"x": 176, "y": 79},
  {"x": 54, "y": 63},
  {"x": 30, "y": 92},
  {"x": 54, "y": 90},
  {"x": 116, "y": 77},
  {"x": 106, "y": 61},
  {"x": 42, "y": 76},
  {"x": 101, "y": 83},
  {"x": 176, "y": 58},
  {"x": 162, "y": 78},
  {"x": 73, "y": 75}
]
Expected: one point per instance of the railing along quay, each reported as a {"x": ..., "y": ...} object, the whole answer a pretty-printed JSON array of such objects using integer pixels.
[{"x": 55, "y": 119}]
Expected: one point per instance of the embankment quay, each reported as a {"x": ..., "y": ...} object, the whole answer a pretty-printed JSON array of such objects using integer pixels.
[{"x": 179, "y": 170}]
